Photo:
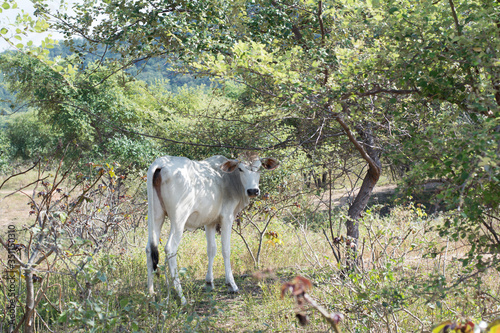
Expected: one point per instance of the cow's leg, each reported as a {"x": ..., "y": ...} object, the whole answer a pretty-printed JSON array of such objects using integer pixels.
[
  {"x": 211, "y": 251},
  {"x": 171, "y": 248},
  {"x": 155, "y": 221},
  {"x": 226, "y": 253}
]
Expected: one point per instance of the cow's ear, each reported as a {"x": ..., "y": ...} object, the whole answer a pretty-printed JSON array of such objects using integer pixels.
[
  {"x": 269, "y": 163},
  {"x": 229, "y": 166}
]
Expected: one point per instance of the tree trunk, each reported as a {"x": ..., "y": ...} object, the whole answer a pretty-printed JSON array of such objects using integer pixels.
[
  {"x": 30, "y": 303},
  {"x": 360, "y": 202},
  {"x": 369, "y": 182},
  {"x": 370, "y": 153}
]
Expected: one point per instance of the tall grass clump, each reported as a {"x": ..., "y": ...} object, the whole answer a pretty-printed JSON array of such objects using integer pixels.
[{"x": 401, "y": 283}]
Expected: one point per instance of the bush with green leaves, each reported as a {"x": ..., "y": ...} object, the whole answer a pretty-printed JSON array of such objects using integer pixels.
[
  {"x": 91, "y": 116},
  {"x": 31, "y": 138},
  {"x": 5, "y": 152}
]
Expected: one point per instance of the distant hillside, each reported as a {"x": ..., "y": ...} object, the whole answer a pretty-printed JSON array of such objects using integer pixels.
[{"x": 150, "y": 71}]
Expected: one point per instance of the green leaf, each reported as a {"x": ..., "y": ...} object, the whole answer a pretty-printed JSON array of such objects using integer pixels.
[
  {"x": 101, "y": 276},
  {"x": 123, "y": 302},
  {"x": 393, "y": 10},
  {"x": 63, "y": 217},
  {"x": 63, "y": 317}
]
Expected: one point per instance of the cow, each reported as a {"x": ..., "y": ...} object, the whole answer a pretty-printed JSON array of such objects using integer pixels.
[{"x": 195, "y": 194}]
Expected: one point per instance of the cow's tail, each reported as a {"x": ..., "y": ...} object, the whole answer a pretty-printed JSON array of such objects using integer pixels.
[
  {"x": 154, "y": 190},
  {"x": 154, "y": 256}
]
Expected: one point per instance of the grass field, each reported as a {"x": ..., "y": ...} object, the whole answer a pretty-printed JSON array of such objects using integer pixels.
[{"x": 404, "y": 282}]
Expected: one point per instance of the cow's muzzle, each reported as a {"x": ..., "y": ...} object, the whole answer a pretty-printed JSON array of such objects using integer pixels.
[{"x": 253, "y": 192}]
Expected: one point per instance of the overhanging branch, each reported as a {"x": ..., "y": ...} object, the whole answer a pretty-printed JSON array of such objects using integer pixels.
[
  {"x": 373, "y": 165},
  {"x": 379, "y": 90}
]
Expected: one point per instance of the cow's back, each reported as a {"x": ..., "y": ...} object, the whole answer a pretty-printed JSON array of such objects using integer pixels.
[{"x": 198, "y": 191}]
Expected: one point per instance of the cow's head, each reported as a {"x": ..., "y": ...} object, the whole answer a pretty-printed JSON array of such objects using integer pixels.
[{"x": 249, "y": 172}]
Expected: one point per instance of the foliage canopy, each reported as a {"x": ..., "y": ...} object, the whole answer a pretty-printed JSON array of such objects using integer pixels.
[{"x": 413, "y": 87}]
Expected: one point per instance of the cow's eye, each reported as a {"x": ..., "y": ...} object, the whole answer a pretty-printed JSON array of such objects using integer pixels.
[{"x": 241, "y": 170}]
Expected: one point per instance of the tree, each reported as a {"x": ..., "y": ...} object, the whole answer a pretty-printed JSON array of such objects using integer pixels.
[
  {"x": 449, "y": 51},
  {"x": 421, "y": 79},
  {"x": 281, "y": 51},
  {"x": 28, "y": 138},
  {"x": 363, "y": 77},
  {"x": 72, "y": 109}
]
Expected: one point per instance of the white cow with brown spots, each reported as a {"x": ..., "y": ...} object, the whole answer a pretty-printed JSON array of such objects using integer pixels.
[{"x": 196, "y": 194}]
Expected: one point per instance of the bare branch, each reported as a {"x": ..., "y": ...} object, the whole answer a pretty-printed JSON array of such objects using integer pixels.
[
  {"x": 455, "y": 18},
  {"x": 20, "y": 173},
  {"x": 373, "y": 165}
]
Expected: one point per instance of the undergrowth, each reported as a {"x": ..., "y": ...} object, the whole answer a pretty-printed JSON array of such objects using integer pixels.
[{"x": 400, "y": 284}]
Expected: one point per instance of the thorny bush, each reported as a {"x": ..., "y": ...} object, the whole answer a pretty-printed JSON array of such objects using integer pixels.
[{"x": 76, "y": 217}]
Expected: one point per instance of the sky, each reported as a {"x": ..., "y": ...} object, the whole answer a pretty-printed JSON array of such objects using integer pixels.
[{"x": 7, "y": 17}]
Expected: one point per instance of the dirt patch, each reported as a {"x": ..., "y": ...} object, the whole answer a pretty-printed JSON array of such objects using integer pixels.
[
  {"x": 14, "y": 209},
  {"x": 380, "y": 195},
  {"x": 383, "y": 195},
  {"x": 14, "y": 206}
]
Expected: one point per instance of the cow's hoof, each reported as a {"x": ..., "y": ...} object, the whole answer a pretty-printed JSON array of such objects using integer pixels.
[
  {"x": 153, "y": 296},
  {"x": 233, "y": 291},
  {"x": 209, "y": 286}
]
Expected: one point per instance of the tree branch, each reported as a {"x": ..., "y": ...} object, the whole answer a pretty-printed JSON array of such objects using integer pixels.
[
  {"x": 455, "y": 18},
  {"x": 275, "y": 146},
  {"x": 19, "y": 261},
  {"x": 379, "y": 90},
  {"x": 356, "y": 143}
]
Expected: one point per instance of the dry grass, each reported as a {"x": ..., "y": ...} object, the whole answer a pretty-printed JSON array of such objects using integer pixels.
[
  {"x": 398, "y": 286},
  {"x": 14, "y": 204},
  {"x": 14, "y": 209},
  {"x": 364, "y": 298}
]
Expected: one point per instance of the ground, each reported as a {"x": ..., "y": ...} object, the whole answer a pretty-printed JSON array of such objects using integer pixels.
[{"x": 14, "y": 208}]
